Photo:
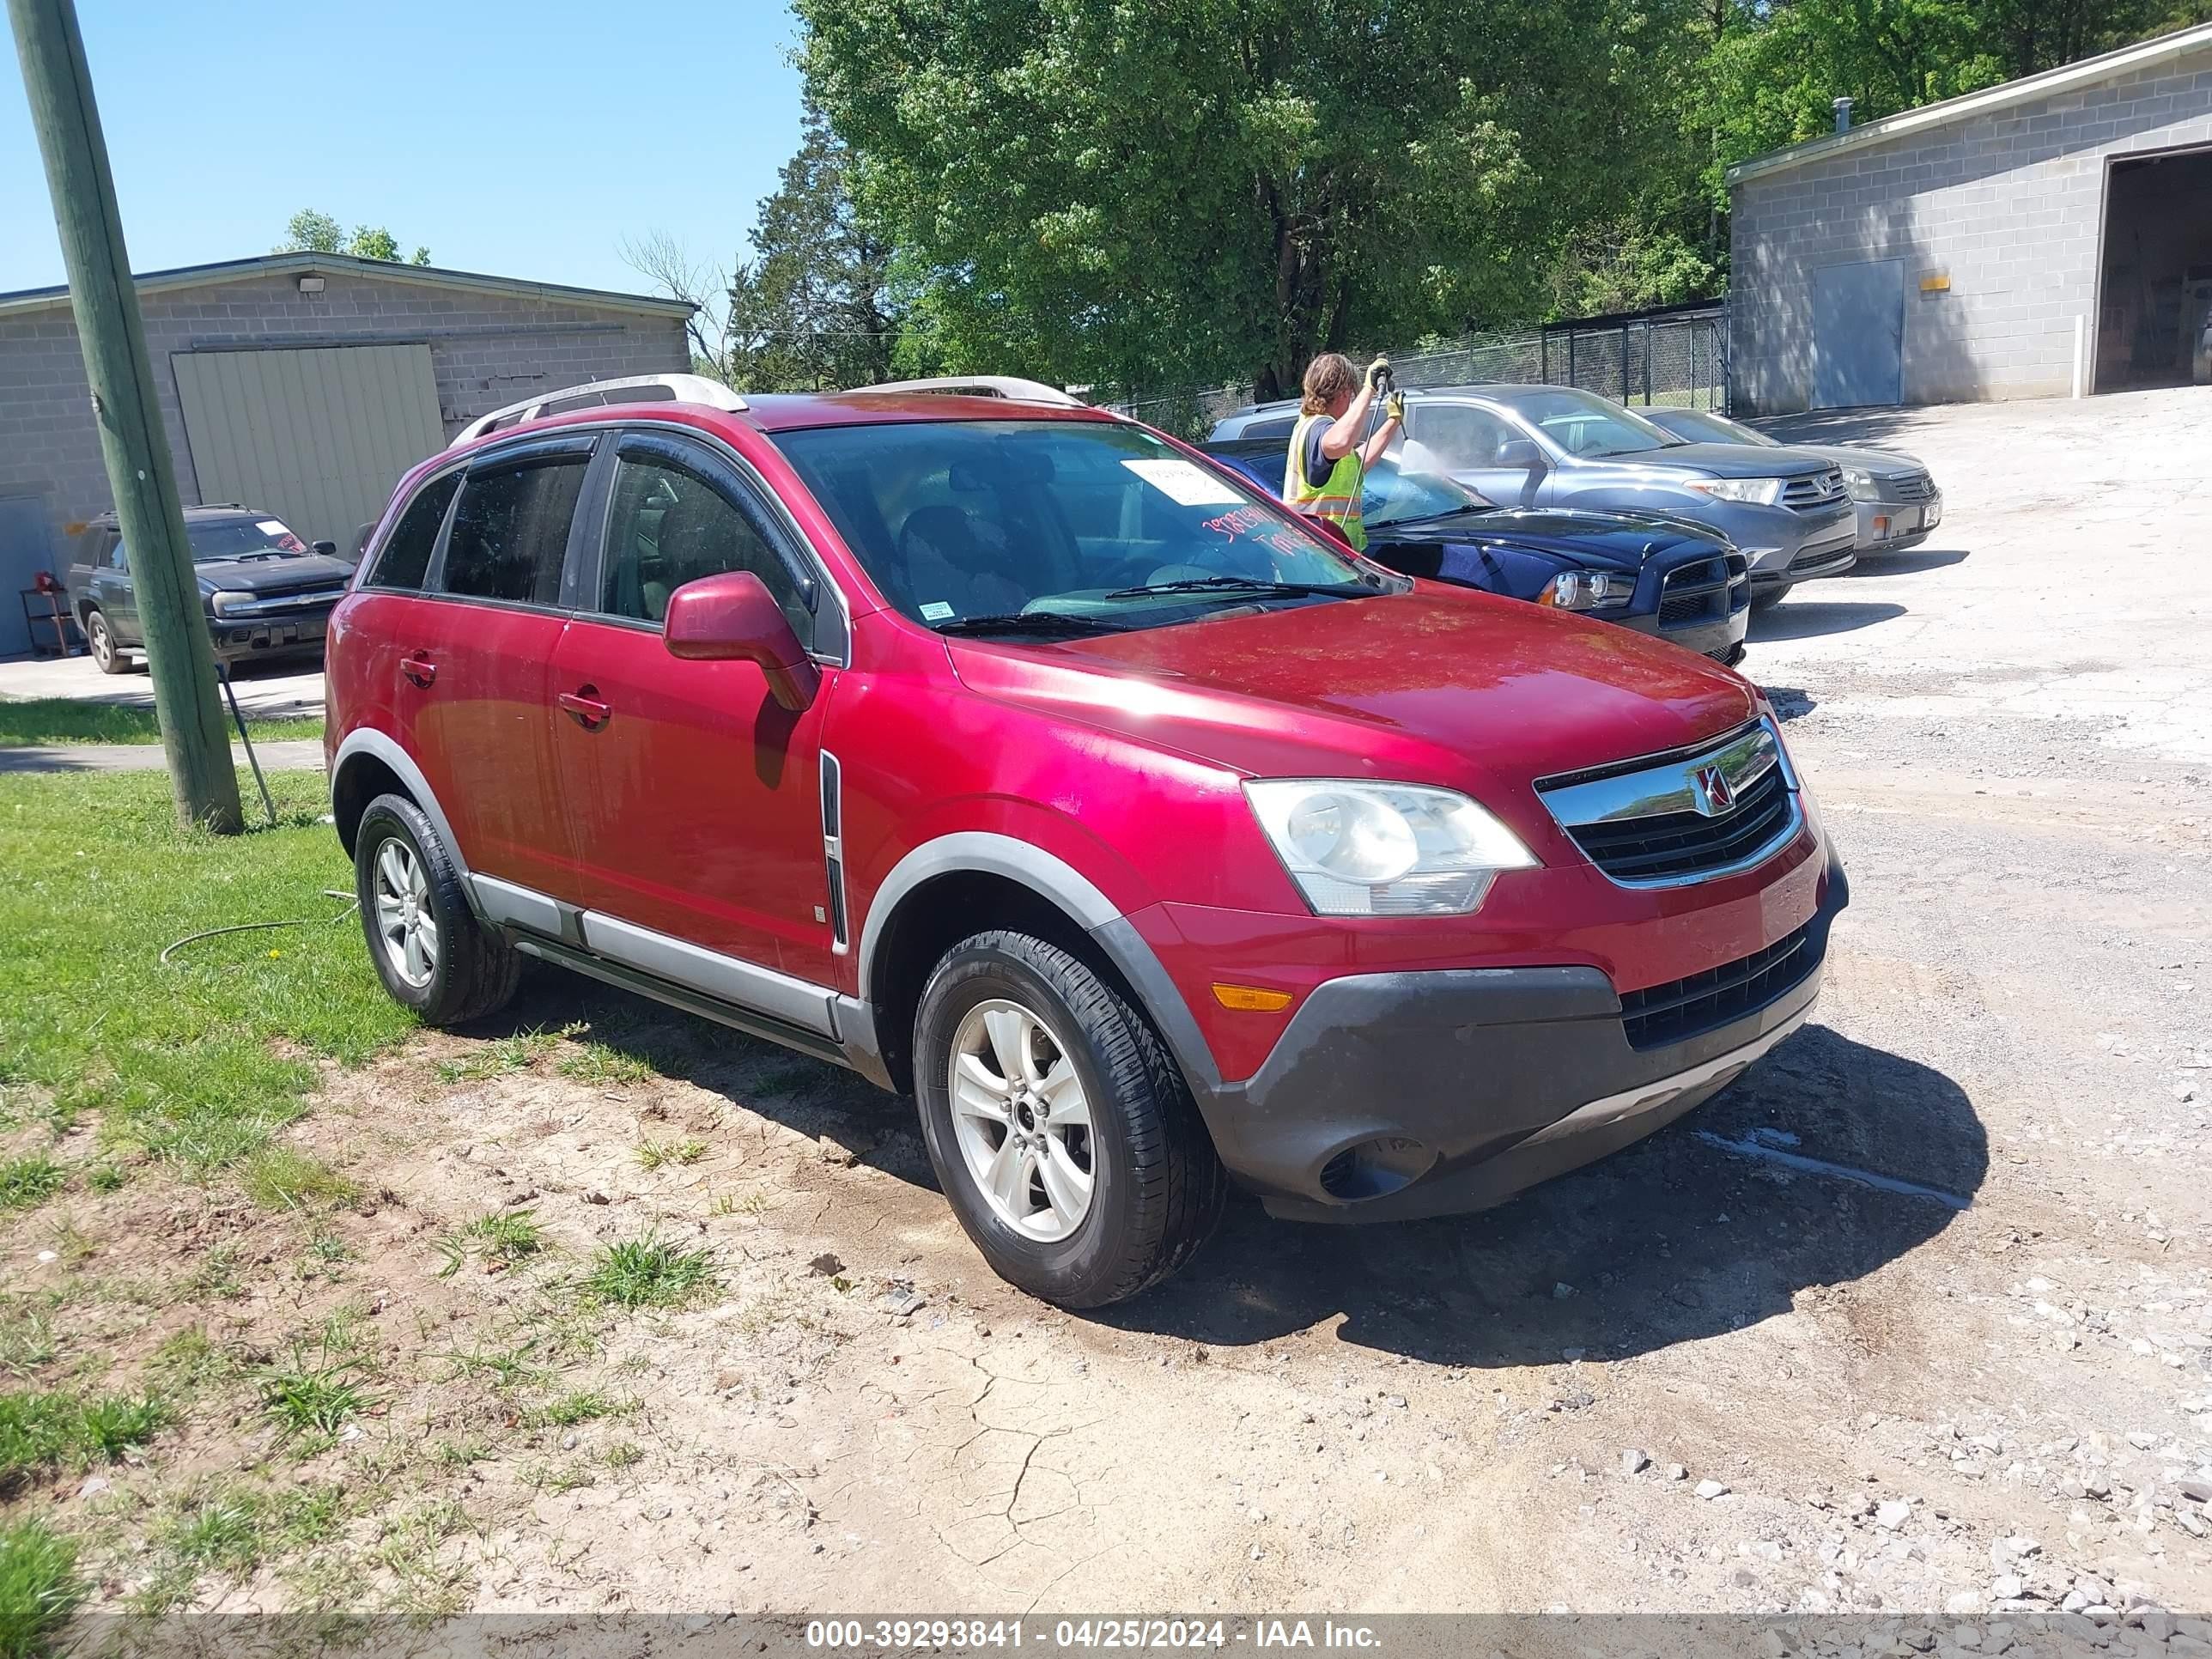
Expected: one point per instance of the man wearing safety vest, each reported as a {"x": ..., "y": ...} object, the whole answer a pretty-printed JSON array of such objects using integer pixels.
[{"x": 1328, "y": 465}]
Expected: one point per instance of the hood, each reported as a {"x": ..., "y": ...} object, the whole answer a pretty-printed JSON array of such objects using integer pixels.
[
  {"x": 1439, "y": 684},
  {"x": 1882, "y": 463},
  {"x": 286, "y": 573},
  {"x": 1719, "y": 460},
  {"x": 1618, "y": 541}
]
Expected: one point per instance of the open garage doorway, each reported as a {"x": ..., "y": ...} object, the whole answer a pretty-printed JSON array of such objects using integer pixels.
[{"x": 2155, "y": 313}]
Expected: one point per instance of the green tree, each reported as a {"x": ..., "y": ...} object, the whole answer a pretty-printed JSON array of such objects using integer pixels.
[
  {"x": 1166, "y": 190},
  {"x": 813, "y": 307},
  {"x": 310, "y": 232}
]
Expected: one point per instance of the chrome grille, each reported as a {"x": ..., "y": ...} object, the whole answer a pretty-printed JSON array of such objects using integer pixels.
[
  {"x": 1688, "y": 816},
  {"x": 1817, "y": 489},
  {"x": 1912, "y": 489}
]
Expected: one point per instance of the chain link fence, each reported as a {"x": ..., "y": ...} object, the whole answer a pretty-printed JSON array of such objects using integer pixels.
[{"x": 1675, "y": 357}]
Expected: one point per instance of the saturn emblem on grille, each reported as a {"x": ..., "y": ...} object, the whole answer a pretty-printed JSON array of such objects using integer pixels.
[{"x": 1715, "y": 795}]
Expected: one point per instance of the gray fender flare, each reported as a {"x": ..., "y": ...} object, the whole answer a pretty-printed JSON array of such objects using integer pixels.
[
  {"x": 364, "y": 740},
  {"x": 1054, "y": 878}
]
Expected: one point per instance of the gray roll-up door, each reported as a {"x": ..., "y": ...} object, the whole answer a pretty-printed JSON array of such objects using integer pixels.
[{"x": 317, "y": 435}]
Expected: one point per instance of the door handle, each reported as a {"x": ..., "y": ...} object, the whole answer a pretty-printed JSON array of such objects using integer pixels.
[
  {"x": 421, "y": 670},
  {"x": 591, "y": 713}
]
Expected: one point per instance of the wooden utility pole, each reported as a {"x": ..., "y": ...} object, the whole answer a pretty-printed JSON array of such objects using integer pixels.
[{"x": 143, "y": 479}]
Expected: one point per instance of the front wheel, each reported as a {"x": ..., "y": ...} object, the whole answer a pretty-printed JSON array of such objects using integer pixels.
[
  {"x": 429, "y": 950},
  {"x": 1060, "y": 1128}
]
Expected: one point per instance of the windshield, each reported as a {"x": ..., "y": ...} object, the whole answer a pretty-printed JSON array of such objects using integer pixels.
[
  {"x": 1582, "y": 424},
  {"x": 1394, "y": 495},
  {"x": 1701, "y": 427},
  {"x": 242, "y": 538},
  {"x": 964, "y": 525}
]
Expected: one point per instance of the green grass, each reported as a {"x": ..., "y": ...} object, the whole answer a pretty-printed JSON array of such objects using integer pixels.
[
  {"x": 39, "y": 1587},
  {"x": 316, "y": 1400},
  {"x": 27, "y": 1182},
  {"x": 650, "y": 1272},
  {"x": 501, "y": 1056},
  {"x": 278, "y": 1178},
  {"x": 500, "y": 1238},
  {"x": 35, "y": 722},
  {"x": 586, "y": 1406},
  {"x": 39, "y": 1432},
  {"x": 26, "y": 1338},
  {"x": 652, "y": 1154},
  {"x": 595, "y": 1062},
  {"x": 200, "y": 1061},
  {"x": 231, "y": 1532}
]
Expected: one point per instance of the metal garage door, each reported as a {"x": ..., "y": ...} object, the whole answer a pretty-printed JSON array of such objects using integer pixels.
[
  {"x": 1858, "y": 334},
  {"x": 317, "y": 436}
]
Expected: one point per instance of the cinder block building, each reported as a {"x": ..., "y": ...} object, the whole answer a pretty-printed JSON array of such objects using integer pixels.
[
  {"x": 302, "y": 383},
  {"x": 2047, "y": 237}
]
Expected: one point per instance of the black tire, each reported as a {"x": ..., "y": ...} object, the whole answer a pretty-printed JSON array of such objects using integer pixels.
[
  {"x": 1158, "y": 1185},
  {"x": 99, "y": 642},
  {"x": 473, "y": 971},
  {"x": 1763, "y": 599}
]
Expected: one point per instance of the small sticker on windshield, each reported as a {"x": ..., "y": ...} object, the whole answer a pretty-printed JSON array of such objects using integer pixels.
[
  {"x": 937, "y": 610},
  {"x": 1183, "y": 483}
]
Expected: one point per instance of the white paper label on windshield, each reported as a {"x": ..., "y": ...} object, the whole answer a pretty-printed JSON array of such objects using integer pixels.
[
  {"x": 1183, "y": 483},
  {"x": 936, "y": 611},
  {"x": 272, "y": 527}
]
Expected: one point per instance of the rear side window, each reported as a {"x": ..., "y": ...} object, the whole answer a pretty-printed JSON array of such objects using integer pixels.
[
  {"x": 509, "y": 533},
  {"x": 406, "y": 560},
  {"x": 1277, "y": 428}
]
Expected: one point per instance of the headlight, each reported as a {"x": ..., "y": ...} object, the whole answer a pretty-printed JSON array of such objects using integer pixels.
[
  {"x": 1860, "y": 484},
  {"x": 1586, "y": 590},
  {"x": 1384, "y": 849},
  {"x": 224, "y": 601},
  {"x": 1763, "y": 491}
]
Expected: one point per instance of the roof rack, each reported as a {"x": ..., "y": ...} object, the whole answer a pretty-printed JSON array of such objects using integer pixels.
[
  {"x": 1012, "y": 388},
  {"x": 632, "y": 389}
]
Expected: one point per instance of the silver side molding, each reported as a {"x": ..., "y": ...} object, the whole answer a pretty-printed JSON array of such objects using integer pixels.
[{"x": 795, "y": 1001}]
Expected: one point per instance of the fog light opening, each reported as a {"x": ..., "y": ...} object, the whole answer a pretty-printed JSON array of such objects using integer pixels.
[{"x": 1373, "y": 1168}]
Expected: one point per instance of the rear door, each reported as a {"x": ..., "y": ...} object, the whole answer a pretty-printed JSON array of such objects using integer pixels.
[
  {"x": 111, "y": 588},
  {"x": 695, "y": 798},
  {"x": 470, "y": 676}
]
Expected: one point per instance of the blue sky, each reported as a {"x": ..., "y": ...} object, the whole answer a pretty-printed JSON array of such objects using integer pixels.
[{"x": 521, "y": 139}]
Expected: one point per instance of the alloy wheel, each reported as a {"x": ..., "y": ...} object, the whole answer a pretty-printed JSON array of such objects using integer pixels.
[
  {"x": 404, "y": 924},
  {"x": 98, "y": 640},
  {"x": 1021, "y": 1119}
]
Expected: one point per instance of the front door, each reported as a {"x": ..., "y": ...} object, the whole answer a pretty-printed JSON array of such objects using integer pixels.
[
  {"x": 1858, "y": 334},
  {"x": 695, "y": 798},
  {"x": 471, "y": 689}
]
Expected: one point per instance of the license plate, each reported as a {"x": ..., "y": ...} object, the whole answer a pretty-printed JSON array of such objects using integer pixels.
[{"x": 1932, "y": 514}]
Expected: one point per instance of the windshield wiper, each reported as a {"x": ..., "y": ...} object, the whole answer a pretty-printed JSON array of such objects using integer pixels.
[
  {"x": 1031, "y": 622},
  {"x": 1236, "y": 585}
]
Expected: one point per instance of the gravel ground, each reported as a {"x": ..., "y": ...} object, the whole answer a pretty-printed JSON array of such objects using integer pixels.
[{"x": 1915, "y": 1319}]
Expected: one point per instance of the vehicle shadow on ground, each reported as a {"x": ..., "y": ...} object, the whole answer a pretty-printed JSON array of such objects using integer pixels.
[
  {"x": 1809, "y": 619},
  {"x": 817, "y": 1099},
  {"x": 1909, "y": 562},
  {"x": 1789, "y": 702},
  {"x": 1667, "y": 1242},
  {"x": 1872, "y": 426}
]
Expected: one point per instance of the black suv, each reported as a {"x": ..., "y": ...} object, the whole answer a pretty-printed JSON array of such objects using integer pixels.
[{"x": 266, "y": 591}]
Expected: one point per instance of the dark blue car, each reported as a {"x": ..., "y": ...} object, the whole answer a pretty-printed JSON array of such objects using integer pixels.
[{"x": 1668, "y": 577}]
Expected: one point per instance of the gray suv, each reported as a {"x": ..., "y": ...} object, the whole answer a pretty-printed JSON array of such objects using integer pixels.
[{"x": 1787, "y": 510}]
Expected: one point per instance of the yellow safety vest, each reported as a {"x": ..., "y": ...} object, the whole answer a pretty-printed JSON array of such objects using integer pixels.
[{"x": 1336, "y": 497}]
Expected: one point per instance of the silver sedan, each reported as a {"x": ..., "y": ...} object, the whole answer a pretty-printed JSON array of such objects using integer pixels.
[{"x": 1895, "y": 496}]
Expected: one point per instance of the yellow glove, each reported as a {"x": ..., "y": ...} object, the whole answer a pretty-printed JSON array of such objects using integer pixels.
[
  {"x": 1375, "y": 370},
  {"x": 1394, "y": 406}
]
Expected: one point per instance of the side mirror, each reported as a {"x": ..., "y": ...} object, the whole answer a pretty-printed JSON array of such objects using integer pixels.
[
  {"x": 1519, "y": 455},
  {"x": 732, "y": 618},
  {"x": 328, "y": 549}
]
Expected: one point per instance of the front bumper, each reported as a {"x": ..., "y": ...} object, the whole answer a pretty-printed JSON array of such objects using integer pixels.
[
  {"x": 1823, "y": 545},
  {"x": 1888, "y": 527},
  {"x": 1720, "y": 638},
  {"x": 239, "y": 637},
  {"x": 1396, "y": 1096}
]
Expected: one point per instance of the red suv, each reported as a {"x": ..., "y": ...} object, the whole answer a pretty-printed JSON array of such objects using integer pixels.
[{"x": 1018, "y": 758}]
